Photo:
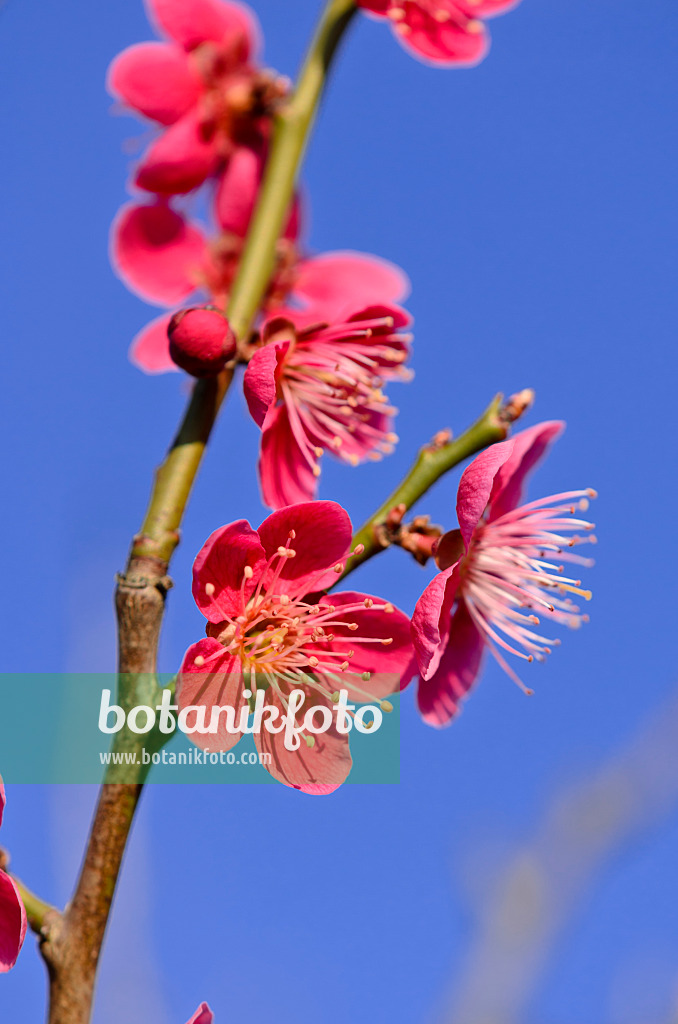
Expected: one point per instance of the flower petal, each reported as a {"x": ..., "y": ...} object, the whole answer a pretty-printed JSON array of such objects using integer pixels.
[
  {"x": 157, "y": 253},
  {"x": 285, "y": 475},
  {"x": 13, "y": 923},
  {"x": 459, "y": 41},
  {"x": 486, "y": 8},
  {"x": 180, "y": 159},
  {"x": 3, "y": 799},
  {"x": 150, "y": 348},
  {"x": 217, "y": 684},
  {"x": 529, "y": 447},
  {"x": 259, "y": 382},
  {"x": 203, "y": 1015},
  {"x": 475, "y": 486},
  {"x": 378, "y": 7},
  {"x": 340, "y": 282},
  {"x": 316, "y": 770},
  {"x": 237, "y": 190},
  {"x": 438, "y": 698},
  {"x": 391, "y": 666},
  {"x": 156, "y": 79},
  {"x": 189, "y": 24},
  {"x": 431, "y": 619},
  {"x": 218, "y": 571},
  {"x": 322, "y": 538}
]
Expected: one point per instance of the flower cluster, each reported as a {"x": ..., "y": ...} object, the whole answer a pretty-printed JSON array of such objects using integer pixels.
[
  {"x": 12, "y": 913},
  {"x": 330, "y": 338}
]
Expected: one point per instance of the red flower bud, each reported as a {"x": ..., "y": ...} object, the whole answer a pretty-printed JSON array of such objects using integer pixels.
[{"x": 201, "y": 340}]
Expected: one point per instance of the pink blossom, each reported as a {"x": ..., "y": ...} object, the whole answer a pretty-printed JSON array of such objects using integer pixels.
[
  {"x": 497, "y": 571},
  {"x": 13, "y": 921},
  {"x": 270, "y": 627},
  {"x": 442, "y": 32},
  {"x": 203, "y": 1015},
  {"x": 201, "y": 85},
  {"x": 319, "y": 388}
]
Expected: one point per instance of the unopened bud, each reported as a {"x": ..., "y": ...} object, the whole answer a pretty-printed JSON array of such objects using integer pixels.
[{"x": 201, "y": 340}]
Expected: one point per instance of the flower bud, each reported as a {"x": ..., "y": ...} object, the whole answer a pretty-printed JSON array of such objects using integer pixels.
[{"x": 201, "y": 340}]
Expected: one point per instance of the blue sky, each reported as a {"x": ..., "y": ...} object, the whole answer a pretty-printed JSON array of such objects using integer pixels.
[{"x": 532, "y": 203}]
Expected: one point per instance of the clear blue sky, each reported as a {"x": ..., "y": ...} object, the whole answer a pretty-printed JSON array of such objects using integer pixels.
[{"x": 532, "y": 202}]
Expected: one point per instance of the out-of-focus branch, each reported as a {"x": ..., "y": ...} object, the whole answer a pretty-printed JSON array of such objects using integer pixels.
[
  {"x": 536, "y": 892},
  {"x": 434, "y": 460}
]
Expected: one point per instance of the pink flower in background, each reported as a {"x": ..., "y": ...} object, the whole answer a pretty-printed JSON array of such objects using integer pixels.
[
  {"x": 444, "y": 32},
  {"x": 203, "y": 1015},
  {"x": 269, "y": 629},
  {"x": 12, "y": 913},
  {"x": 165, "y": 258},
  {"x": 498, "y": 569},
  {"x": 201, "y": 86},
  {"x": 319, "y": 388}
]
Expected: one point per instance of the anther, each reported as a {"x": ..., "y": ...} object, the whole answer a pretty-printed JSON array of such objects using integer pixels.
[
  {"x": 248, "y": 572},
  {"x": 310, "y": 741},
  {"x": 366, "y": 677},
  {"x": 338, "y": 567},
  {"x": 387, "y": 642},
  {"x": 313, "y": 662},
  {"x": 209, "y": 589},
  {"x": 199, "y": 660},
  {"x": 386, "y": 706},
  {"x": 368, "y": 602}
]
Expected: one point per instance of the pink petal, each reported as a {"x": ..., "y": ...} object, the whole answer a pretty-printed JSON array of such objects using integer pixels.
[
  {"x": 216, "y": 684},
  {"x": 238, "y": 189},
  {"x": 199, "y": 21},
  {"x": 180, "y": 159},
  {"x": 475, "y": 486},
  {"x": 438, "y": 698},
  {"x": 316, "y": 770},
  {"x": 13, "y": 923},
  {"x": 218, "y": 571},
  {"x": 322, "y": 538},
  {"x": 259, "y": 382},
  {"x": 431, "y": 619},
  {"x": 285, "y": 475},
  {"x": 442, "y": 43},
  {"x": 150, "y": 348},
  {"x": 391, "y": 666},
  {"x": 529, "y": 447},
  {"x": 203, "y": 1015},
  {"x": 3, "y": 799},
  {"x": 156, "y": 79},
  {"x": 157, "y": 253},
  {"x": 378, "y": 7},
  {"x": 486, "y": 8},
  {"x": 341, "y": 282}
]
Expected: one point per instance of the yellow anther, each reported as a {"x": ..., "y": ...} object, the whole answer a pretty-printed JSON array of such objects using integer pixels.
[{"x": 386, "y": 706}]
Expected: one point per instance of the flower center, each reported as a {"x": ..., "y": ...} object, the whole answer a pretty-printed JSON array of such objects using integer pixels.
[
  {"x": 507, "y": 574},
  {"x": 284, "y": 641},
  {"x": 332, "y": 385}
]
